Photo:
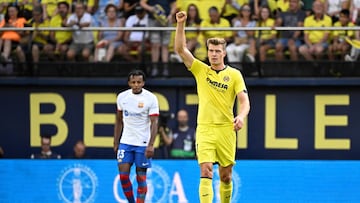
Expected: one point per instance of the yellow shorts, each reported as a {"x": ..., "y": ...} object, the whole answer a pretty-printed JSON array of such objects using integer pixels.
[{"x": 216, "y": 144}]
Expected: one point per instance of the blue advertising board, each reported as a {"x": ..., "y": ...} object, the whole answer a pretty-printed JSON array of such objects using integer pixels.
[
  {"x": 87, "y": 181},
  {"x": 310, "y": 119}
]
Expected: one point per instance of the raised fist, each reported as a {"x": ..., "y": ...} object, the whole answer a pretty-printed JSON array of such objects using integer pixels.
[{"x": 181, "y": 16}]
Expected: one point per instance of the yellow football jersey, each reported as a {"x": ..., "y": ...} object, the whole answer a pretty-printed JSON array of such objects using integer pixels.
[{"x": 217, "y": 92}]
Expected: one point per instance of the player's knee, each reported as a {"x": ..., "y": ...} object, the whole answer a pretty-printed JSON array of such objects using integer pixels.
[
  {"x": 206, "y": 171},
  {"x": 226, "y": 178},
  {"x": 225, "y": 174}
]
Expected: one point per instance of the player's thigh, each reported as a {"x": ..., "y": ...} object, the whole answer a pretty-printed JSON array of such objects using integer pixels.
[
  {"x": 226, "y": 145},
  {"x": 125, "y": 154},
  {"x": 140, "y": 159},
  {"x": 205, "y": 144}
]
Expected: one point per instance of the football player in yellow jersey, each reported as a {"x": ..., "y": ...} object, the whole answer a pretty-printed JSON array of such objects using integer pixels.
[{"x": 218, "y": 85}]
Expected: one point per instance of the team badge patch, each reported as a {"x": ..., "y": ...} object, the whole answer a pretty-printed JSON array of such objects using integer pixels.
[
  {"x": 226, "y": 78},
  {"x": 141, "y": 104}
]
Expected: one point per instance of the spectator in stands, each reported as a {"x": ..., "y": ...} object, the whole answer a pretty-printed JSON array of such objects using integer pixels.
[
  {"x": 282, "y": 6},
  {"x": 46, "y": 152},
  {"x": 39, "y": 39},
  {"x": 290, "y": 40},
  {"x": 183, "y": 137},
  {"x": 82, "y": 41},
  {"x": 99, "y": 14},
  {"x": 193, "y": 20},
  {"x": 79, "y": 150},
  {"x": 256, "y": 5},
  {"x": 265, "y": 39},
  {"x": 355, "y": 48},
  {"x": 59, "y": 40},
  {"x": 333, "y": 8},
  {"x": 91, "y": 5},
  {"x": 307, "y": 6},
  {"x": 231, "y": 9},
  {"x": 50, "y": 7},
  {"x": 10, "y": 40},
  {"x": 355, "y": 11},
  {"x": 160, "y": 39},
  {"x": 26, "y": 7},
  {"x": 163, "y": 138},
  {"x": 316, "y": 41},
  {"x": 109, "y": 40},
  {"x": 242, "y": 39},
  {"x": 129, "y": 7},
  {"x": 339, "y": 44},
  {"x": 216, "y": 21},
  {"x": 135, "y": 40},
  {"x": 3, "y": 7},
  {"x": 1, "y": 152}
]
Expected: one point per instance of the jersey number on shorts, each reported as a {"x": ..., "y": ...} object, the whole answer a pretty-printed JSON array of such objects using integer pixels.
[{"x": 120, "y": 154}]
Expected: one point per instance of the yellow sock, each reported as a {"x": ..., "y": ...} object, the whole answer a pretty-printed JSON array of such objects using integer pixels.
[
  {"x": 225, "y": 192},
  {"x": 206, "y": 190}
]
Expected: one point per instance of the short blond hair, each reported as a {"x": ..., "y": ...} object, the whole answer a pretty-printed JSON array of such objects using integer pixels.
[{"x": 216, "y": 41}]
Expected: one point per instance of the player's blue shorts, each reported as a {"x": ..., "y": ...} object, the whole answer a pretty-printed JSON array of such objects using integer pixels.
[{"x": 133, "y": 154}]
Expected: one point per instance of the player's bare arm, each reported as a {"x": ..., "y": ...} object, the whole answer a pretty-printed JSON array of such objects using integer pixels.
[
  {"x": 118, "y": 129},
  {"x": 243, "y": 100},
  {"x": 153, "y": 131},
  {"x": 180, "y": 40}
]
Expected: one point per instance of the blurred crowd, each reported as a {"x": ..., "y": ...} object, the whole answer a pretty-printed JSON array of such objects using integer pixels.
[{"x": 31, "y": 47}]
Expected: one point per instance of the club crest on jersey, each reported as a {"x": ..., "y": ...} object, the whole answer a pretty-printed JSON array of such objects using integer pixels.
[
  {"x": 226, "y": 78},
  {"x": 141, "y": 104}
]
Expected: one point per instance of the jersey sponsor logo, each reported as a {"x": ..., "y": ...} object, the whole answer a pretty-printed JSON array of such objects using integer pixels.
[
  {"x": 217, "y": 85},
  {"x": 127, "y": 113}
]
